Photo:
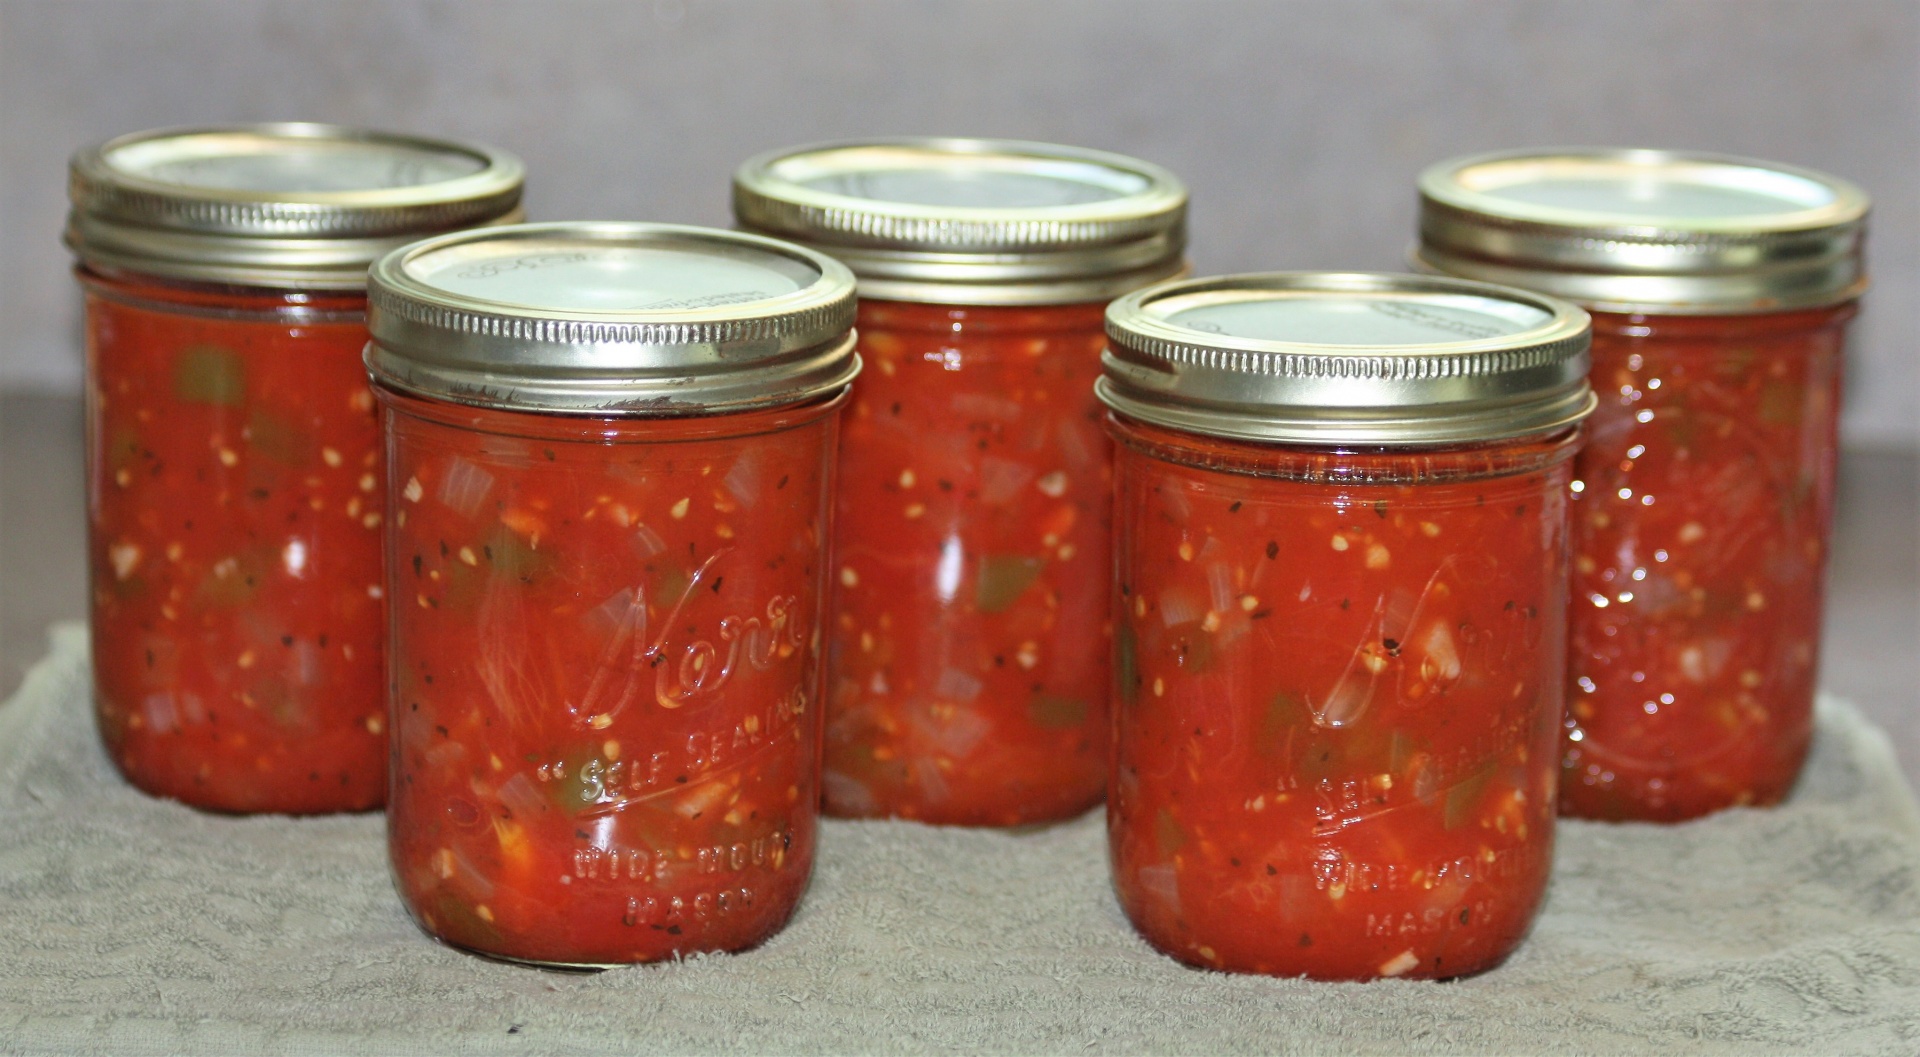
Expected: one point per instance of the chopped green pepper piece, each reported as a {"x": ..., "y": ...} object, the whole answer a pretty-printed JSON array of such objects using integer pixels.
[
  {"x": 123, "y": 449},
  {"x": 1168, "y": 832},
  {"x": 1285, "y": 713},
  {"x": 1192, "y": 645},
  {"x": 858, "y": 762},
  {"x": 1683, "y": 430},
  {"x": 1462, "y": 799},
  {"x": 511, "y": 557},
  {"x": 669, "y": 586},
  {"x": 233, "y": 581},
  {"x": 1733, "y": 364},
  {"x": 1003, "y": 577},
  {"x": 1126, "y": 664},
  {"x": 1400, "y": 751},
  {"x": 209, "y": 374},
  {"x": 455, "y": 917},
  {"x": 278, "y": 439},
  {"x": 276, "y": 698},
  {"x": 1324, "y": 757},
  {"x": 1779, "y": 404},
  {"x": 1056, "y": 713}
]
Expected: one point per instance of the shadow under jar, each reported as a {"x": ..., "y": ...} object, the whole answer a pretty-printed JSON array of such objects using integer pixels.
[
  {"x": 612, "y": 454},
  {"x": 967, "y": 670},
  {"x": 1720, "y": 290},
  {"x": 234, "y": 472},
  {"x": 1341, "y": 566}
]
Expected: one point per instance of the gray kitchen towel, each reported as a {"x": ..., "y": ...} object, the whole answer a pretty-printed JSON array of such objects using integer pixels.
[{"x": 133, "y": 925}]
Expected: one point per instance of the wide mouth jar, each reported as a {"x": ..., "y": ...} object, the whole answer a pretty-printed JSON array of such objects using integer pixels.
[
  {"x": 1340, "y": 569},
  {"x": 972, "y": 221},
  {"x": 971, "y": 532},
  {"x": 1646, "y": 231},
  {"x": 611, "y": 319},
  {"x": 1342, "y": 359},
  {"x": 234, "y": 519},
  {"x": 610, "y": 457},
  {"x": 281, "y": 206}
]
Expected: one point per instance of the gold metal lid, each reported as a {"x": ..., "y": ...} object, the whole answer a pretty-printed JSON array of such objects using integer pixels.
[
  {"x": 611, "y": 319},
  {"x": 1340, "y": 358},
  {"x": 972, "y": 221},
  {"x": 1646, "y": 231},
  {"x": 278, "y": 205}
]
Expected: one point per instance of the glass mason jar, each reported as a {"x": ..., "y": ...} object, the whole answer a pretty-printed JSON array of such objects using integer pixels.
[
  {"x": 612, "y": 453},
  {"x": 1341, "y": 565},
  {"x": 967, "y": 668},
  {"x": 234, "y": 466},
  {"x": 1720, "y": 290}
]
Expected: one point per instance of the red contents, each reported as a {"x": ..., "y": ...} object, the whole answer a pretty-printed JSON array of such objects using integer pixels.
[
  {"x": 970, "y": 651},
  {"x": 606, "y": 676},
  {"x": 1337, "y": 684},
  {"x": 235, "y": 504},
  {"x": 1700, "y": 535}
]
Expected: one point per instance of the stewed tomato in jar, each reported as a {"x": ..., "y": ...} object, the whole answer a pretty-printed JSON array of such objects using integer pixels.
[
  {"x": 1341, "y": 560},
  {"x": 612, "y": 450},
  {"x": 1720, "y": 289},
  {"x": 235, "y": 483},
  {"x": 968, "y": 651}
]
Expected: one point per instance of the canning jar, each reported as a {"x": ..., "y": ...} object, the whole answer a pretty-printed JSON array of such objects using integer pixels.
[
  {"x": 1720, "y": 290},
  {"x": 612, "y": 454},
  {"x": 1340, "y": 565},
  {"x": 967, "y": 670},
  {"x": 234, "y": 470}
]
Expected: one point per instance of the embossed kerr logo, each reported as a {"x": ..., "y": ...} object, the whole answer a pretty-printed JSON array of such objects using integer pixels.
[{"x": 689, "y": 669}]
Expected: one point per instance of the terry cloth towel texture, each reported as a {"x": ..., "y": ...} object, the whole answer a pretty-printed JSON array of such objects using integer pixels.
[{"x": 133, "y": 925}]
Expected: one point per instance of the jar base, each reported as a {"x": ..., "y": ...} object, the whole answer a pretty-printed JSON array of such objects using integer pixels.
[
  {"x": 199, "y": 799},
  {"x": 576, "y": 968},
  {"x": 1474, "y": 968},
  {"x": 1014, "y": 821}
]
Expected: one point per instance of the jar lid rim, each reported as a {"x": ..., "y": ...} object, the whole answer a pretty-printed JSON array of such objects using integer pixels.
[
  {"x": 1627, "y": 229},
  {"x": 1471, "y": 184},
  {"x": 972, "y": 221},
  {"x": 279, "y": 203},
  {"x": 532, "y": 317},
  {"x": 1347, "y": 357}
]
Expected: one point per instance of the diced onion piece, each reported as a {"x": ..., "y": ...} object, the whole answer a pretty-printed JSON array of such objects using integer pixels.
[
  {"x": 464, "y": 487},
  {"x": 1178, "y": 607},
  {"x": 1002, "y": 479},
  {"x": 1400, "y": 964}
]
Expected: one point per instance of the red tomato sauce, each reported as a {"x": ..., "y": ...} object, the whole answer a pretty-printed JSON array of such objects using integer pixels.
[
  {"x": 1700, "y": 534},
  {"x": 235, "y": 509},
  {"x": 606, "y": 676},
  {"x": 1337, "y": 684},
  {"x": 969, "y": 652}
]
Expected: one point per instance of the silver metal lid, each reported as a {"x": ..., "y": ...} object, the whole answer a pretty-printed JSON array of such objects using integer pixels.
[
  {"x": 972, "y": 221},
  {"x": 611, "y": 319},
  {"x": 1646, "y": 230},
  {"x": 278, "y": 205},
  {"x": 1340, "y": 358}
]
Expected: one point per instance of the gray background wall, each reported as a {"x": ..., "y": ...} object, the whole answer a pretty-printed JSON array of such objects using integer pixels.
[{"x": 1299, "y": 125}]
